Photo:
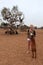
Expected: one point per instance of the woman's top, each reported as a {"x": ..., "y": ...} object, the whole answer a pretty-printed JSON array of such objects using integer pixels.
[{"x": 31, "y": 34}]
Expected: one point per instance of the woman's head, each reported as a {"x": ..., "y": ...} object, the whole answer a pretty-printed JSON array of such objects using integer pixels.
[{"x": 31, "y": 27}]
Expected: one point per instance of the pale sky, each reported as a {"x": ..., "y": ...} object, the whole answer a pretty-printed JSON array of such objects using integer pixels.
[{"x": 32, "y": 9}]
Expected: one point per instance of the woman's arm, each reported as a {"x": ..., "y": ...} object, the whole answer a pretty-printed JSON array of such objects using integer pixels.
[{"x": 34, "y": 33}]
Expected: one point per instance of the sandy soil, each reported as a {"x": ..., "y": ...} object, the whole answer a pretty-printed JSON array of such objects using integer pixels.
[{"x": 13, "y": 49}]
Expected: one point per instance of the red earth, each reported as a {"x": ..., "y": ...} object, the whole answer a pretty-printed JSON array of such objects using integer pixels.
[{"x": 13, "y": 49}]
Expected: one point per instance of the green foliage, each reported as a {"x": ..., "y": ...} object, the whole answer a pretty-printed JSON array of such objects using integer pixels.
[
  {"x": 12, "y": 16},
  {"x": 24, "y": 28},
  {"x": 4, "y": 24}
]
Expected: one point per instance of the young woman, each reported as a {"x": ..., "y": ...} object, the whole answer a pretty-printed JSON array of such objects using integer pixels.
[{"x": 31, "y": 41}]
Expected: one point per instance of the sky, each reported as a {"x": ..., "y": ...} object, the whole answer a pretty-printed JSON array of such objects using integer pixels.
[{"x": 32, "y": 10}]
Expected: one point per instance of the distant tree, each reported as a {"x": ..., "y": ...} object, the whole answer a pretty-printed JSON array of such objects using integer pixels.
[
  {"x": 24, "y": 28},
  {"x": 41, "y": 27},
  {"x": 12, "y": 16},
  {"x": 35, "y": 27}
]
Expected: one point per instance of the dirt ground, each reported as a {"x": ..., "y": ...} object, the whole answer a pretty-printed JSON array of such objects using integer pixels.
[{"x": 13, "y": 49}]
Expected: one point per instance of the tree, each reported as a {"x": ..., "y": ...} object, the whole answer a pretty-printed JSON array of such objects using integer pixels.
[
  {"x": 41, "y": 27},
  {"x": 12, "y": 16},
  {"x": 35, "y": 27},
  {"x": 24, "y": 28}
]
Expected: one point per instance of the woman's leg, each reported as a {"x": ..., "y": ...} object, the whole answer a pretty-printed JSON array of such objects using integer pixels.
[
  {"x": 28, "y": 46},
  {"x": 32, "y": 54},
  {"x": 33, "y": 46},
  {"x": 35, "y": 52}
]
